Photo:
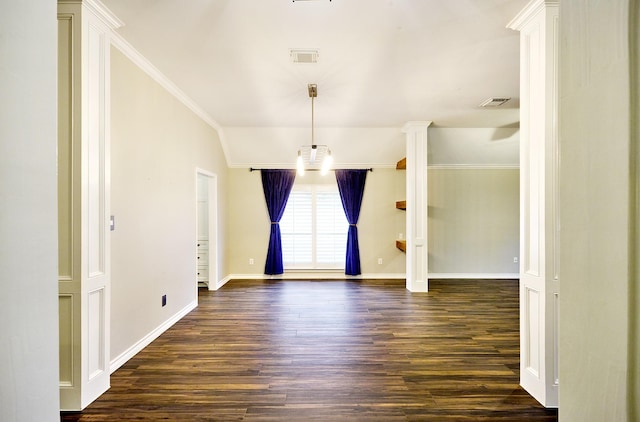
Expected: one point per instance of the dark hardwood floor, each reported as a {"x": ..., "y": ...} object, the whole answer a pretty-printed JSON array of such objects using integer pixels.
[{"x": 331, "y": 351}]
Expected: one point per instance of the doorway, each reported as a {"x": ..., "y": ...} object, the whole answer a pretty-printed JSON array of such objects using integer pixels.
[{"x": 206, "y": 229}]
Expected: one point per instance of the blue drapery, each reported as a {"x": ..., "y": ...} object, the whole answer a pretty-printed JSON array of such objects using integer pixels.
[
  {"x": 276, "y": 185},
  {"x": 351, "y": 188}
]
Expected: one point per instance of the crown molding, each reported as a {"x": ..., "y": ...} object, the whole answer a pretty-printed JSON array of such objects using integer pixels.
[
  {"x": 416, "y": 126},
  {"x": 100, "y": 10},
  {"x": 529, "y": 12}
]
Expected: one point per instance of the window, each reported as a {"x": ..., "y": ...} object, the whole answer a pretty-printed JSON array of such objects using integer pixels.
[{"x": 314, "y": 228}]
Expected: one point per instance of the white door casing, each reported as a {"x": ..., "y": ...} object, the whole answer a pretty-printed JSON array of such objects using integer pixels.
[{"x": 209, "y": 181}]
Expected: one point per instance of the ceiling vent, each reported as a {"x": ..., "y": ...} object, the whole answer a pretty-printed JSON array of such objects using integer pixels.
[
  {"x": 494, "y": 102},
  {"x": 304, "y": 56}
]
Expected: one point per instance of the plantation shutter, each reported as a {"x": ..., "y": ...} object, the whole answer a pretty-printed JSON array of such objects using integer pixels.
[{"x": 314, "y": 228}]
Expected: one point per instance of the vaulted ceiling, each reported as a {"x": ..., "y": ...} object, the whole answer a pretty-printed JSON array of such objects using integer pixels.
[{"x": 381, "y": 64}]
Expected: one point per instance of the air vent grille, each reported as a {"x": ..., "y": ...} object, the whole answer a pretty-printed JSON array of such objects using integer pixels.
[
  {"x": 304, "y": 56},
  {"x": 494, "y": 102}
]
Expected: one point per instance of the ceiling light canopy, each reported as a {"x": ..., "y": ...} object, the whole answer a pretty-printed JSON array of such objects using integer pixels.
[{"x": 311, "y": 155}]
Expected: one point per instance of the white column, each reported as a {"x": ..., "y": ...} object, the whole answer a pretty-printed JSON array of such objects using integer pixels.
[
  {"x": 417, "y": 246},
  {"x": 539, "y": 223},
  {"x": 84, "y": 29}
]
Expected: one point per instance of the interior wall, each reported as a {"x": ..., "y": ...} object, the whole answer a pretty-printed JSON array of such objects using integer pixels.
[
  {"x": 378, "y": 226},
  {"x": 634, "y": 296},
  {"x": 473, "y": 221},
  {"x": 156, "y": 145},
  {"x": 248, "y": 223},
  {"x": 28, "y": 212},
  {"x": 595, "y": 142},
  {"x": 489, "y": 147},
  {"x": 381, "y": 223}
]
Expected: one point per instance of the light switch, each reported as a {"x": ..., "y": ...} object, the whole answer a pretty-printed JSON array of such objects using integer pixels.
[{"x": 112, "y": 223}]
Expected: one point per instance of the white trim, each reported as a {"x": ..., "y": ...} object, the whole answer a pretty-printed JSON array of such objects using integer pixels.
[
  {"x": 335, "y": 275},
  {"x": 146, "y": 340},
  {"x": 416, "y": 225},
  {"x": 315, "y": 275},
  {"x": 529, "y": 12},
  {"x": 205, "y": 172},
  {"x": 416, "y": 126},
  {"x": 222, "y": 282},
  {"x": 467, "y": 276},
  {"x": 212, "y": 236},
  {"x": 99, "y": 10},
  {"x": 136, "y": 57}
]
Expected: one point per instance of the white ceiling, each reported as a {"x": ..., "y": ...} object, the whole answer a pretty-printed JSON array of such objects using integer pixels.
[{"x": 382, "y": 62}]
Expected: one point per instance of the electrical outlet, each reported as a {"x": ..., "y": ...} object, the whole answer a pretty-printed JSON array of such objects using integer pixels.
[
  {"x": 379, "y": 261},
  {"x": 250, "y": 261},
  {"x": 400, "y": 236},
  {"x": 515, "y": 259},
  {"x": 164, "y": 300}
]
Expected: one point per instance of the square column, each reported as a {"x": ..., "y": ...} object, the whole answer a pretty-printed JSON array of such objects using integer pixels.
[
  {"x": 539, "y": 212},
  {"x": 417, "y": 245},
  {"x": 84, "y": 248}
]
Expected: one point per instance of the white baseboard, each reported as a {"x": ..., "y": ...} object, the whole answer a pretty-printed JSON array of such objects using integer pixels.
[
  {"x": 315, "y": 275},
  {"x": 220, "y": 283},
  {"x": 467, "y": 276},
  {"x": 333, "y": 275},
  {"x": 146, "y": 340}
]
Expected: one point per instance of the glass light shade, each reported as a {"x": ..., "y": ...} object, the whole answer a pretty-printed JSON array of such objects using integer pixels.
[{"x": 326, "y": 163}]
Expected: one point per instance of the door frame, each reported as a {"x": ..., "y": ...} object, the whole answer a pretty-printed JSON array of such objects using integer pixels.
[{"x": 212, "y": 202}]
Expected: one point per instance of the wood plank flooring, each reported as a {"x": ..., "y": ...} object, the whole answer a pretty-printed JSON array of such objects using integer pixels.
[{"x": 331, "y": 351}]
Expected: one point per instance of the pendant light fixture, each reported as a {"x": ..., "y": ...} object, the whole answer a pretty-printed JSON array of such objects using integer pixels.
[{"x": 313, "y": 154}]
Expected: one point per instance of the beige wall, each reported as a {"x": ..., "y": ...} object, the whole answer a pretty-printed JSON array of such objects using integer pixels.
[
  {"x": 156, "y": 145},
  {"x": 473, "y": 221},
  {"x": 248, "y": 223},
  {"x": 380, "y": 223},
  {"x": 597, "y": 351},
  {"x": 28, "y": 212},
  {"x": 378, "y": 226}
]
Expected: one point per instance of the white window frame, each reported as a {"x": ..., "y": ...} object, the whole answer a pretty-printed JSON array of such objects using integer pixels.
[{"x": 314, "y": 265}]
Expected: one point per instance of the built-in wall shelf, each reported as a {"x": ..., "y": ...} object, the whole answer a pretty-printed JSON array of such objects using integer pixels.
[{"x": 401, "y": 205}]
